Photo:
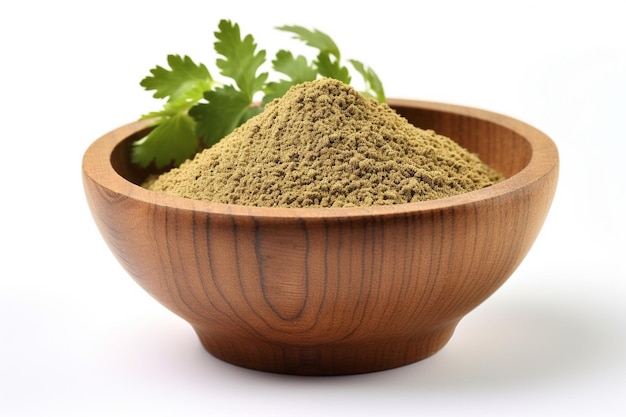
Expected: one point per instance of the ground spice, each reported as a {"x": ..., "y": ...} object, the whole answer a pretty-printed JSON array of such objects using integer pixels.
[{"x": 323, "y": 144}]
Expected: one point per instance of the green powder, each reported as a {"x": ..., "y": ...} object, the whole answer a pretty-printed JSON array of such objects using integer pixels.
[{"x": 323, "y": 144}]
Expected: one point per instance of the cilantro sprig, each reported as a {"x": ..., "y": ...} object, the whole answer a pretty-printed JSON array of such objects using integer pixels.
[{"x": 199, "y": 110}]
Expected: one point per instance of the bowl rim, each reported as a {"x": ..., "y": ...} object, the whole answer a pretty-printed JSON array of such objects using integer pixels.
[{"x": 544, "y": 159}]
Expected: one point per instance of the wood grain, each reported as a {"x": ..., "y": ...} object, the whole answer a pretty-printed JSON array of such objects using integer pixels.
[{"x": 330, "y": 291}]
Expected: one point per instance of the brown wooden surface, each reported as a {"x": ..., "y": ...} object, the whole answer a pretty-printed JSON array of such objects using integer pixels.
[{"x": 330, "y": 291}]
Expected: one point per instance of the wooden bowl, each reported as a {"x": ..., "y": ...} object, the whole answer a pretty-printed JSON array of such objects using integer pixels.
[{"x": 318, "y": 291}]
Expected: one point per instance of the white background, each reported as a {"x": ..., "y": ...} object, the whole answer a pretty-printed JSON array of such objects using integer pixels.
[{"x": 79, "y": 338}]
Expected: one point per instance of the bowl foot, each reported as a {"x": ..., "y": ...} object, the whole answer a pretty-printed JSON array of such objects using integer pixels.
[{"x": 341, "y": 358}]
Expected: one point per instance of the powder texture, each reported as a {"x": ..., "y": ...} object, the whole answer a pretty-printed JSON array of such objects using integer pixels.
[{"x": 323, "y": 144}]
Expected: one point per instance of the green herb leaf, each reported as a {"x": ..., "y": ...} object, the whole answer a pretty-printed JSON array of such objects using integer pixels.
[
  {"x": 373, "y": 85},
  {"x": 314, "y": 38},
  {"x": 328, "y": 61},
  {"x": 185, "y": 78},
  {"x": 226, "y": 108},
  {"x": 173, "y": 139},
  {"x": 241, "y": 61},
  {"x": 171, "y": 142},
  {"x": 328, "y": 67},
  {"x": 298, "y": 69}
]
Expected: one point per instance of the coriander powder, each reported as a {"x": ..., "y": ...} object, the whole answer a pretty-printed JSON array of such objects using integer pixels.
[{"x": 323, "y": 144}]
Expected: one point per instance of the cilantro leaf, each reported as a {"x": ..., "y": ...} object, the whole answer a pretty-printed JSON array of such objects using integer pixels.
[
  {"x": 184, "y": 79},
  {"x": 314, "y": 38},
  {"x": 241, "y": 61},
  {"x": 332, "y": 68},
  {"x": 298, "y": 69},
  {"x": 170, "y": 109},
  {"x": 328, "y": 61},
  {"x": 224, "y": 110},
  {"x": 227, "y": 107},
  {"x": 373, "y": 85},
  {"x": 172, "y": 141}
]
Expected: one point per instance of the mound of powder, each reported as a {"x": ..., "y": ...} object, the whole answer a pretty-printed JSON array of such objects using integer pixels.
[{"x": 323, "y": 144}]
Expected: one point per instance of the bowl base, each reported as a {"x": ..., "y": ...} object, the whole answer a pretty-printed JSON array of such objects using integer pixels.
[{"x": 325, "y": 360}]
